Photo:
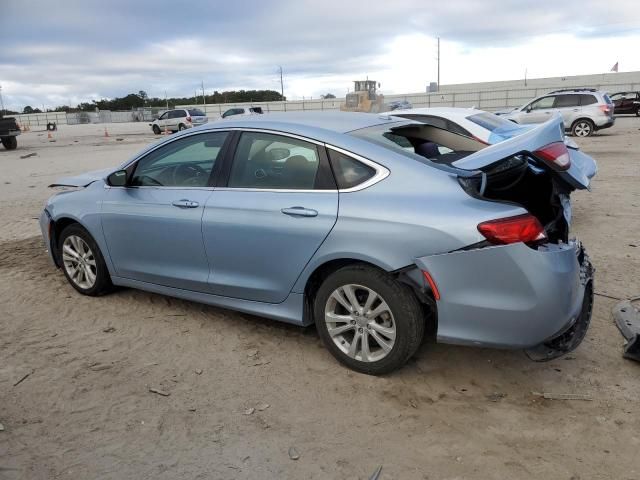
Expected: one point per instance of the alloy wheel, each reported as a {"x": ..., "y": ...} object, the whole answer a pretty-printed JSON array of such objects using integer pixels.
[
  {"x": 582, "y": 129},
  {"x": 360, "y": 323},
  {"x": 79, "y": 262}
]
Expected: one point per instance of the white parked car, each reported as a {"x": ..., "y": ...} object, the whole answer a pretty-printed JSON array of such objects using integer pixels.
[
  {"x": 178, "y": 119},
  {"x": 242, "y": 111}
]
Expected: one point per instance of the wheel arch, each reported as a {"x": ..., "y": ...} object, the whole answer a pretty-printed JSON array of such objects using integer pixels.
[
  {"x": 409, "y": 275},
  {"x": 581, "y": 119},
  {"x": 58, "y": 225}
]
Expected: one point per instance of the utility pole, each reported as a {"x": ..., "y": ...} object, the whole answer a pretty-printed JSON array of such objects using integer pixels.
[
  {"x": 1, "y": 102},
  {"x": 281, "y": 83},
  {"x": 202, "y": 84},
  {"x": 438, "y": 63},
  {"x": 525, "y": 77},
  {"x": 166, "y": 99}
]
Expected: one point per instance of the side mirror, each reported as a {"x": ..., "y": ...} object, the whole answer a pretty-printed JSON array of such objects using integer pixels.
[
  {"x": 528, "y": 109},
  {"x": 117, "y": 179}
]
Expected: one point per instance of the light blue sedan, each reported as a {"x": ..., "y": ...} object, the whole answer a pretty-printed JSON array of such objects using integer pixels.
[{"x": 335, "y": 219}]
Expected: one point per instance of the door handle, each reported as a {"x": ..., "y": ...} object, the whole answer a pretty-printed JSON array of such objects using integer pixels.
[
  {"x": 184, "y": 203},
  {"x": 300, "y": 212}
]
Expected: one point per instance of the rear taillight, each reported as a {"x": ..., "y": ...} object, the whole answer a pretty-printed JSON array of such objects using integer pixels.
[
  {"x": 605, "y": 109},
  {"x": 523, "y": 228},
  {"x": 188, "y": 119},
  {"x": 555, "y": 154}
]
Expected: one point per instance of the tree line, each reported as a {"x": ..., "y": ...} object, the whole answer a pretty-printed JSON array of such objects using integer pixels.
[{"x": 141, "y": 99}]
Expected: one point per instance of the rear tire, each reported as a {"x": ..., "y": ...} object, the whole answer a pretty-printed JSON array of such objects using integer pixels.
[
  {"x": 10, "y": 143},
  {"x": 638, "y": 112},
  {"x": 582, "y": 128},
  {"x": 156, "y": 129},
  {"x": 382, "y": 312},
  {"x": 82, "y": 262},
  {"x": 181, "y": 127}
]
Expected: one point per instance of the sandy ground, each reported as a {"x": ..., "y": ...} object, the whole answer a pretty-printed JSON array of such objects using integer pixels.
[{"x": 85, "y": 410}]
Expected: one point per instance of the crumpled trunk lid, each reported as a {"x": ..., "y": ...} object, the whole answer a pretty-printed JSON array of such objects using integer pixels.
[{"x": 577, "y": 176}]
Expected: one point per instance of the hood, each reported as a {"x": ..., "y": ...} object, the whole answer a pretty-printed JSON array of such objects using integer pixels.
[{"x": 82, "y": 180}]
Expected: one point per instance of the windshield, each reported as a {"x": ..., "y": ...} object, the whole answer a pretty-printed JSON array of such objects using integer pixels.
[
  {"x": 500, "y": 128},
  {"x": 194, "y": 112},
  {"x": 492, "y": 122}
]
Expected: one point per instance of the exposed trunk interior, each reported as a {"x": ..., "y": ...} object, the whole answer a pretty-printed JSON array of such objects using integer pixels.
[{"x": 519, "y": 179}]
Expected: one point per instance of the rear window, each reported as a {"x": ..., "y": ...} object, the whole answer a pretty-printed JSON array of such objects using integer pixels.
[
  {"x": 256, "y": 109},
  {"x": 564, "y": 101},
  {"x": 194, "y": 112},
  {"x": 591, "y": 99},
  {"x": 348, "y": 171},
  {"x": 492, "y": 122},
  {"x": 607, "y": 99}
]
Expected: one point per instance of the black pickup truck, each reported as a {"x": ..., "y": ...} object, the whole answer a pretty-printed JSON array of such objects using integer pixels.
[{"x": 9, "y": 130}]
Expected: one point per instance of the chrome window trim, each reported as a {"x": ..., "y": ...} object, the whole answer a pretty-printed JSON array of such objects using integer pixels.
[{"x": 381, "y": 172}]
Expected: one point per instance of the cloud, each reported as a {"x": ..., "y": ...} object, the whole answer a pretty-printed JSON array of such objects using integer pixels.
[{"x": 72, "y": 51}]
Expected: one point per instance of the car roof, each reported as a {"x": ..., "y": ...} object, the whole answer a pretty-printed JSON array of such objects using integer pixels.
[{"x": 338, "y": 122}]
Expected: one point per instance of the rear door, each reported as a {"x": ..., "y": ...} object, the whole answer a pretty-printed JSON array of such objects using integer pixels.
[
  {"x": 568, "y": 106},
  {"x": 274, "y": 210}
]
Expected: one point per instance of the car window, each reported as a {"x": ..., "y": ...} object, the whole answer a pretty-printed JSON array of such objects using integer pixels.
[
  {"x": 565, "y": 101},
  {"x": 348, "y": 171},
  {"x": 179, "y": 114},
  {"x": 270, "y": 161},
  {"x": 186, "y": 162},
  {"x": 588, "y": 99},
  {"x": 630, "y": 96},
  {"x": 543, "y": 103},
  {"x": 194, "y": 112},
  {"x": 163, "y": 116},
  {"x": 255, "y": 109},
  {"x": 492, "y": 122}
]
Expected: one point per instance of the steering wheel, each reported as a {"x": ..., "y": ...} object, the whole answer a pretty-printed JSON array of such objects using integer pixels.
[{"x": 189, "y": 175}]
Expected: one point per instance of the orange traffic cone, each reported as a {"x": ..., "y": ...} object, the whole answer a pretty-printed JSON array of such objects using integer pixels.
[{"x": 106, "y": 134}]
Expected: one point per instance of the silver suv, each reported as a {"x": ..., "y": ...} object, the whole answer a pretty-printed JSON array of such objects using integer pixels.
[
  {"x": 584, "y": 110},
  {"x": 179, "y": 119}
]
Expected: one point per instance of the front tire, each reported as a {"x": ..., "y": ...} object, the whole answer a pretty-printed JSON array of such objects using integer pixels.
[
  {"x": 582, "y": 128},
  {"x": 10, "y": 143},
  {"x": 156, "y": 129},
  {"x": 367, "y": 320},
  {"x": 82, "y": 262}
]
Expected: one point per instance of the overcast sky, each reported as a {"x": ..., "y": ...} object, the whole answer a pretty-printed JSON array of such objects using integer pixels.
[{"x": 57, "y": 53}]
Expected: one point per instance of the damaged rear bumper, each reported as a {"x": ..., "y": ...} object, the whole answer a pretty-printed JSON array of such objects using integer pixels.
[
  {"x": 627, "y": 318},
  {"x": 514, "y": 296}
]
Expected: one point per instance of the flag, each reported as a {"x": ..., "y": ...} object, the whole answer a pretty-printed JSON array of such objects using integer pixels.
[{"x": 615, "y": 67}]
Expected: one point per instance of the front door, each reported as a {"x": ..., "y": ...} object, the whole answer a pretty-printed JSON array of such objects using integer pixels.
[
  {"x": 539, "y": 111},
  {"x": 153, "y": 227},
  {"x": 263, "y": 227}
]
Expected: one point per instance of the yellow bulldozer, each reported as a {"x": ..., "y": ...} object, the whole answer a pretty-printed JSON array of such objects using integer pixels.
[{"x": 364, "y": 98}]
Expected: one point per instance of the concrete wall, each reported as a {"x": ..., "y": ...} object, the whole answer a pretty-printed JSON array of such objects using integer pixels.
[{"x": 489, "y": 96}]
